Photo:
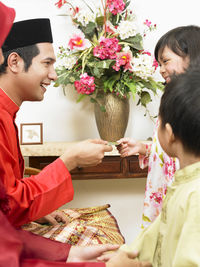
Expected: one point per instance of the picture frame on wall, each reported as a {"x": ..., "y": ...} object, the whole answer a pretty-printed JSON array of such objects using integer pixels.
[{"x": 31, "y": 133}]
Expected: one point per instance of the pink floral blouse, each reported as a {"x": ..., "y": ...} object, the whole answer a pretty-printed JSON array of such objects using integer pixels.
[{"x": 161, "y": 169}]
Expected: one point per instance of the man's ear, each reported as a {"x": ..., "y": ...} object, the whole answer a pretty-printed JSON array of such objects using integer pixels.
[
  {"x": 15, "y": 63},
  {"x": 170, "y": 135}
]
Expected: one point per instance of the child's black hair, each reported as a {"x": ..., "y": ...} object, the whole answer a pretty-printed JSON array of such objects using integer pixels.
[
  {"x": 183, "y": 41},
  {"x": 180, "y": 107}
]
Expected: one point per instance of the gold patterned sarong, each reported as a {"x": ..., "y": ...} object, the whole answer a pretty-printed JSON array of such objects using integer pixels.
[{"x": 87, "y": 226}]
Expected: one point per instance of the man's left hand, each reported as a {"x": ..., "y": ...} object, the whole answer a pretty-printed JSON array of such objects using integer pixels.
[{"x": 54, "y": 218}]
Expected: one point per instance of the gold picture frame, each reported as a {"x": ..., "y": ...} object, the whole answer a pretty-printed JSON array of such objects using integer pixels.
[{"x": 31, "y": 133}]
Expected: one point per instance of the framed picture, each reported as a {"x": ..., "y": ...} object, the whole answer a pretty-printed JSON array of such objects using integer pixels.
[{"x": 31, "y": 133}]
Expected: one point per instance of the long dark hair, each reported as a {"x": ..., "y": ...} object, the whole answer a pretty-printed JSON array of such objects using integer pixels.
[{"x": 183, "y": 41}]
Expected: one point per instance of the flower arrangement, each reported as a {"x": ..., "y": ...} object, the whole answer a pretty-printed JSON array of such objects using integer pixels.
[{"x": 106, "y": 54}]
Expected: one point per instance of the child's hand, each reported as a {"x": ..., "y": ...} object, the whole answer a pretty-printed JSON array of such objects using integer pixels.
[
  {"x": 126, "y": 259},
  {"x": 128, "y": 147}
]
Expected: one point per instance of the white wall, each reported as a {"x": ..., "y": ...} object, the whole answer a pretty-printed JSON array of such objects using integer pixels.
[{"x": 65, "y": 120}]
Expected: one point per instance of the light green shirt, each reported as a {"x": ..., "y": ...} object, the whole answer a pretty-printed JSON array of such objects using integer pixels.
[{"x": 173, "y": 239}]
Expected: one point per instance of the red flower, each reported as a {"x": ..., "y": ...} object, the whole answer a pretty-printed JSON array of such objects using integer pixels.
[
  {"x": 107, "y": 48},
  {"x": 60, "y": 3},
  {"x": 76, "y": 10},
  {"x": 155, "y": 64},
  {"x": 77, "y": 41},
  {"x": 116, "y": 6},
  {"x": 148, "y": 23},
  {"x": 123, "y": 59},
  {"x": 85, "y": 85}
]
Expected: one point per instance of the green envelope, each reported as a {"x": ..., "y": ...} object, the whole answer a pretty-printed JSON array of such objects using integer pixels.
[{"x": 113, "y": 144}]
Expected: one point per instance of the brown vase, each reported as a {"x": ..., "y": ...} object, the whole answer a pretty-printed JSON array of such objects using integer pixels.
[{"x": 112, "y": 124}]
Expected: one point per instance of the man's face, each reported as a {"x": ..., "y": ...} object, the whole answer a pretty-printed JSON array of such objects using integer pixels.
[
  {"x": 1, "y": 57},
  {"x": 33, "y": 83}
]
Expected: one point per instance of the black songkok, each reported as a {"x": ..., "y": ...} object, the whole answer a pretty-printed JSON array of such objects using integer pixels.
[{"x": 28, "y": 32}]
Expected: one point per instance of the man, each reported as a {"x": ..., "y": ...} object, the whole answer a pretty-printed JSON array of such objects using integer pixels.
[
  {"x": 20, "y": 248},
  {"x": 26, "y": 72}
]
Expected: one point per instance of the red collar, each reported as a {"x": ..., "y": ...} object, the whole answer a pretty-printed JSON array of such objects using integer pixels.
[{"x": 7, "y": 104}]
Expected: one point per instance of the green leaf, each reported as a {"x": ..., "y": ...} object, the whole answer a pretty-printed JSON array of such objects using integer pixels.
[
  {"x": 160, "y": 86},
  {"x": 145, "y": 218},
  {"x": 100, "y": 20},
  {"x": 135, "y": 42},
  {"x": 127, "y": 4},
  {"x": 138, "y": 103},
  {"x": 89, "y": 30},
  {"x": 93, "y": 100},
  {"x": 145, "y": 98},
  {"x": 56, "y": 84},
  {"x": 80, "y": 98},
  {"x": 161, "y": 157},
  {"x": 85, "y": 58},
  {"x": 132, "y": 87},
  {"x": 88, "y": 5},
  {"x": 104, "y": 64},
  {"x": 148, "y": 85},
  {"x": 66, "y": 77},
  {"x": 98, "y": 72},
  {"x": 109, "y": 83},
  {"x": 103, "y": 109},
  {"x": 154, "y": 86}
]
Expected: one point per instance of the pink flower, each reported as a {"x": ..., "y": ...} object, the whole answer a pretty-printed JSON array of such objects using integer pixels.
[
  {"x": 107, "y": 48},
  {"x": 146, "y": 53},
  {"x": 123, "y": 59},
  {"x": 77, "y": 41},
  {"x": 109, "y": 28},
  {"x": 165, "y": 190},
  {"x": 168, "y": 169},
  {"x": 86, "y": 84},
  {"x": 148, "y": 23},
  {"x": 156, "y": 196},
  {"x": 74, "y": 11},
  {"x": 146, "y": 163},
  {"x": 115, "y": 6},
  {"x": 60, "y": 3},
  {"x": 155, "y": 64}
]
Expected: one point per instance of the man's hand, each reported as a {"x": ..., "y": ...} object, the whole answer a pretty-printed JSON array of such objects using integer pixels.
[
  {"x": 125, "y": 259},
  {"x": 89, "y": 253},
  {"x": 54, "y": 218},
  {"x": 86, "y": 153}
]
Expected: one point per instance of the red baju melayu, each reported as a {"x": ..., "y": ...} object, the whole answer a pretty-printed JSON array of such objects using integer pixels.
[
  {"x": 21, "y": 248},
  {"x": 32, "y": 197}
]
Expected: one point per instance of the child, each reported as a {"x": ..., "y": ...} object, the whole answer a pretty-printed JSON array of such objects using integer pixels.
[
  {"x": 173, "y": 239},
  {"x": 174, "y": 51}
]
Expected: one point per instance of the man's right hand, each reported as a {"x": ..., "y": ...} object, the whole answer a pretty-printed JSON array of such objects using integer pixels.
[
  {"x": 122, "y": 258},
  {"x": 86, "y": 153}
]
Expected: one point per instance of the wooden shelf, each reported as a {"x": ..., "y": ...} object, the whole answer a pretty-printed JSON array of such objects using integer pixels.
[{"x": 112, "y": 167}]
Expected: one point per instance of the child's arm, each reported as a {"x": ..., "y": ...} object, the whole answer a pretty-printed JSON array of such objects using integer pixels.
[{"x": 128, "y": 147}]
